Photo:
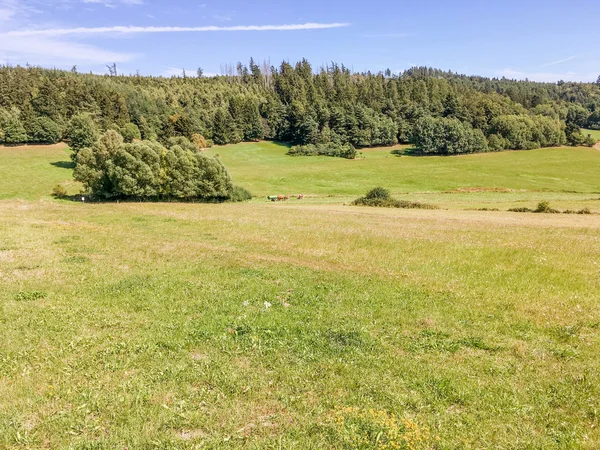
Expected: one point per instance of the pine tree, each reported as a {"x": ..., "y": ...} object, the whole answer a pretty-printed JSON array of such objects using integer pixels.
[{"x": 14, "y": 132}]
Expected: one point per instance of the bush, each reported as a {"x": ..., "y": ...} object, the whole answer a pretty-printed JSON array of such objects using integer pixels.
[
  {"x": 521, "y": 210},
  {"x": 544, "y": 207},
  {"x": 81, "y": 132},
  {"x": 378, "y": 193},
  {"x": 331, "y": 149},
  {"x": 522, "y": 132},
  {"x": 182, "y": 142},
  {"x": 497, "y": 143},
  {"x": 200, "y": 141},
  {"x": 583, "y": 211},
  {"x": 239, "y": 194},
  {"x": 45, "y": 131},
  {"x": 447, "y": 136},
  {"x": 147, "y": 170},
  {"x": 380, "y": 198},
  {"x": 59, "y": 191}
]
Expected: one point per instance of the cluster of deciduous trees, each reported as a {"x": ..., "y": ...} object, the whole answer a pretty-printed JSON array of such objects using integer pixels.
[
  {"x": 112, "y": 168},
  {"x": 296, "y": 104},
  {"x": 330, "y": 149}
]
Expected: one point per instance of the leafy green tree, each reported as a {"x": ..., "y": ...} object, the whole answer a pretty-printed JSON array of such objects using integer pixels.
[
  {"x": 45, "y": 131},
  {"x": 81, "y": 132},
  {"x": 594, "y": 120},
  {"x": 577, "y": 115},
  {"x": 295, "y": 104},
  {"x": 447, "y": 136},
  {"x": 14, "y": 132},
  {"x": 130, "y": 132},
  {"x": 575, "y": 136},
  {"x": 112, "y": 168},
  {"x": 146, "y": 131}
]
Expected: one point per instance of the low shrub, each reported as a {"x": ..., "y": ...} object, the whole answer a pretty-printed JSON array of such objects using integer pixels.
[
  {"x": 200, "y": 141},
  {"x": 331, "y": 149},
  {"x": 544, "y": 208},
  {"x": 581, "y": 211},
  {"x": 405, "y": 204},
  {"x": 239, "y": 194},
  {"x": 378, "y": 193},
  {"x": 380, "y": 198},
  {"x": 521, "y": 210},
  {"x": 59, "y": 191}
]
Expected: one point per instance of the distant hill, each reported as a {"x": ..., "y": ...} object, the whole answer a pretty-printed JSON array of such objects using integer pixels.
[{"x": 439, "y": 112}]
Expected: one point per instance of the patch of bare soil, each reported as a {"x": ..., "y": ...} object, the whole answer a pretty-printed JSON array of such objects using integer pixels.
[{"x": 467, "y": 190}]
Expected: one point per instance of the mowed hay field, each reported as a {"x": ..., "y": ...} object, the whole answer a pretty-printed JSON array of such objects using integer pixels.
[{"x": 304, "y": 324}]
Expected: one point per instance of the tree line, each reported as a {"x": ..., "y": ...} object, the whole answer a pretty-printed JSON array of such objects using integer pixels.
[{"x": 438, "y": 112}]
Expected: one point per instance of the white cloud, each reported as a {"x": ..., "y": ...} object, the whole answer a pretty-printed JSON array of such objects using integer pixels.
[
  {"x": 51, "y": 51},
  {"x": 6, "y": 14},
  {"x": 136, "y": 30},
  {"x": 23, "y": 39},
  {"x": 113, "y": 3}
]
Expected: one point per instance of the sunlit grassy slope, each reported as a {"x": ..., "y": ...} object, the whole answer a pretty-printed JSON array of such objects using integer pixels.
[
  {"x": 30, "y": 172},
  {"x": 303, "y": 325},
  {"x": 594, "y": 133},
  {"x": 265, "y": 168}
]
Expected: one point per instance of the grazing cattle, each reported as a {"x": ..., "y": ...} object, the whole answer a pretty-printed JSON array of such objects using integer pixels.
[
  {"x": 281, "y": 198},
  {"x": 272, "y": 198},
  {"x": 300, "y": 196}
]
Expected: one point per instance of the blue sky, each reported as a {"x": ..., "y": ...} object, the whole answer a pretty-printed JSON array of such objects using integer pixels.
[{"x": 541, "y": 40}]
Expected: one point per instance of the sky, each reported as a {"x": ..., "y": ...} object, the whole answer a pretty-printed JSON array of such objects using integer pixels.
[{"x": 539, "y": 40}]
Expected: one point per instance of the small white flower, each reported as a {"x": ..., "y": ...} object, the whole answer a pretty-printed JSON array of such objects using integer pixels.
[
  {"x": 267, "y": 305},
  {"x": 246, "y": 303}
]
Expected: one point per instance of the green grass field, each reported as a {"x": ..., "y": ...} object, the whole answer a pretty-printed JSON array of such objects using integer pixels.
[
  {"x": 304, "y": 324},
  {"x": 594, "y": 133}
]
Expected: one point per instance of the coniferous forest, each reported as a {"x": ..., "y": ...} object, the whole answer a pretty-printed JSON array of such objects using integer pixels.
[{"x": 438, "y": 112}]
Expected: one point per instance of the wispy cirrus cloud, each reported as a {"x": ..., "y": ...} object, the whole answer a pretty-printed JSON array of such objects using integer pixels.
[
  {"x": 50, "y": 44},
  {"x": 25, "y": 38},
  {"x": 114, "y": 3},
  {"x": 116, "y": 30},
  {"x": 560, "y": 61},
  {"x": 52, "y": 51}
]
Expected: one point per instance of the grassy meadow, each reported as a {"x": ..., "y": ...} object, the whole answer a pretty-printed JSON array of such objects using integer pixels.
[
  {"x": 305, "y": 324},
  {"x": 594, "y": 133}
]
